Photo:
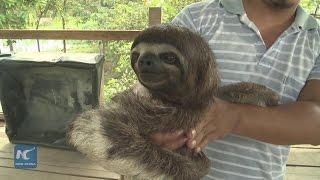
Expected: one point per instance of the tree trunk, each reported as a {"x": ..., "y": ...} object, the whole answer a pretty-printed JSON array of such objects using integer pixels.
[
  {"x": 11, "y": 45},
  {"x": 42, "y": 12},
  {"x": 316, "y": 11},
  {"x": 64, "y": 41},
  {"x": 64, "y": 24},
  {"x": 37, "y": 27}
]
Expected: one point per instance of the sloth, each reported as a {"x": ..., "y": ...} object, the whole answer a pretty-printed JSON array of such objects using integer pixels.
[{"x": 178, "y": 80}]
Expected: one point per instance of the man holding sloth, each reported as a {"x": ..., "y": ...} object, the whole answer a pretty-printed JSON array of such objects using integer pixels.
[{"x": 270, "y": 42}]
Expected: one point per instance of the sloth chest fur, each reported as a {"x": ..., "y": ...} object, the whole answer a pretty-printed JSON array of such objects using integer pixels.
[{"x": 151, "y": 115}]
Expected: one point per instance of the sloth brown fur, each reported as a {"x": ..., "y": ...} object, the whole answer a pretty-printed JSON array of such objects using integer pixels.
[{"x": 178, "y": 79}]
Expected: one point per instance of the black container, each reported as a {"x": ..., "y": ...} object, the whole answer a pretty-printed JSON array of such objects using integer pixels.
[{"x": 41, "y": 93}]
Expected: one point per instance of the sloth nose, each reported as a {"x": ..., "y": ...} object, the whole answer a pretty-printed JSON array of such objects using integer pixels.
[{"x": 147, "y": 62}]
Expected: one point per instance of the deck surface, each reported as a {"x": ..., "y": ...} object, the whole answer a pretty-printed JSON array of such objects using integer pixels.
[
  {"x": 304, "y": 164},
  {"x": 53, "y": 164}
]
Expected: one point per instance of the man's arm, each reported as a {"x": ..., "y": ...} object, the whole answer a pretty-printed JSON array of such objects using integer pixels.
[
  {"x": 294, "y": 123},
  {"x": 287, "y": 124}
]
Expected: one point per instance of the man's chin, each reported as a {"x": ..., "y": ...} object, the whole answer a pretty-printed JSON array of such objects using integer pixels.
[{"x": 280, "y": 4}]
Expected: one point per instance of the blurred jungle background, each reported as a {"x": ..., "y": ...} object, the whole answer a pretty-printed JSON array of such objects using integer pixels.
[{"x": 92, "y": 14}]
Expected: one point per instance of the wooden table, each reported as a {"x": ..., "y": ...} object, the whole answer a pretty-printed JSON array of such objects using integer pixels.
[
  {"x": 304, "y": 164},
  {"x": 53, "y": 164}
]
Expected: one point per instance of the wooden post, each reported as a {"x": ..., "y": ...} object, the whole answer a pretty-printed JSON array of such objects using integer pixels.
[
  {"x": 154, "y": 16},
  {"x": 101, "y": 97},
  {"x": 316, "y": 11},
  {"x": 102, "y": 48}
]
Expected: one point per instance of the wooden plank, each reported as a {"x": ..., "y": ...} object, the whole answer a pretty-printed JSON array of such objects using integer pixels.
[
  {"x": 304, "y": 157},
  {"x": 62, "y": 170},
  {"x": 106, "y": 35},
  {"x": 101, "y": 97},
  {"x": 302, "y": 173},
  {"x": 154, "y": 16},
  {"x": 305, "y": 146},
  {"x": 69, "y": 160},
  {"x": 1, "y": 113},
  {"x": 57, "y": 161},
  {"x": 69, "y": 34},
  {"x": 62, "y": 159},
  {"x": 18, "y": 174},
  {"x": 2, "y": 131},
  {"x": 301, "y": 177}
]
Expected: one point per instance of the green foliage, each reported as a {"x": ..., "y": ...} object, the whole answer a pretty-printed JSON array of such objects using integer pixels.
[
  {"x": 14, "y": 13},
  {"x": 170, "y": 8},
  {"x": 310, "y": 5},
  {"x": 122, "y": 77}
]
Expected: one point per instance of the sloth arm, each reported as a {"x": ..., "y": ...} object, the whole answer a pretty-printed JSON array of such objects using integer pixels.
[
  {"x": 287, "y": 124},
  {"x": 249, "y": 93},
  {"x": 87, "y": 135}
]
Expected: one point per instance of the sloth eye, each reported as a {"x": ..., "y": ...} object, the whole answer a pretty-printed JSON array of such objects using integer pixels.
[
  {"x": 170, "y": 58},
  {"x": 134, "y": 56}
]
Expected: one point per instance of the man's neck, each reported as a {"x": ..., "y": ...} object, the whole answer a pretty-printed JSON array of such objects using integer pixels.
[
  {"x": 271, "y": 21},
  {"x": 261, "y": 12}
]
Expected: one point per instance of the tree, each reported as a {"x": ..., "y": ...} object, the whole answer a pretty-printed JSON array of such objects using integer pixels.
[
  {"x": 42, "y": 8},
  {"x": 312, "y": 6},
  {"x": 14, "y": 15}
]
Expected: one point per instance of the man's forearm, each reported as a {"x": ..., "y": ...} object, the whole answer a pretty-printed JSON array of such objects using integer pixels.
[{"x": 295, "y": 123}]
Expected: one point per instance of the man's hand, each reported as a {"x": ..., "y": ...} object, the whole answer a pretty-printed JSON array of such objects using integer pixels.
[
  {"x": 219, "y": 120},
  {"x": 286, "y": 124},
  {"x": 171, "y": 141}
]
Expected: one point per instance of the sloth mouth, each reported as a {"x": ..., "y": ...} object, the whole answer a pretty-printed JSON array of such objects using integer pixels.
[
  {"x": 153, "y": 80},
  {"x": 152, "y": 77}
]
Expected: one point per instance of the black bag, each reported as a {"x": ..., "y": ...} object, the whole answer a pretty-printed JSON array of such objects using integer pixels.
[{"x": 41, "y": 93}]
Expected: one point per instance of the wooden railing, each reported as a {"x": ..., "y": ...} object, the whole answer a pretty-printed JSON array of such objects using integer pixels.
[
  {"x": 68, "y": 34},
  {"x": 105, "y": 35}
]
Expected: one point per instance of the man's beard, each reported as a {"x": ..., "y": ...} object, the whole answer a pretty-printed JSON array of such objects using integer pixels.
[{"x": 281, "y": 4}]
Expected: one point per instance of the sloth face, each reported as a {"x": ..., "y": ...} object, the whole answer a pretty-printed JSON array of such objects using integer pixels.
[
  {"x": 159, "y": 67},
  {"x": 174, "y": 63}
]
